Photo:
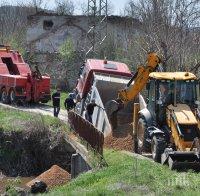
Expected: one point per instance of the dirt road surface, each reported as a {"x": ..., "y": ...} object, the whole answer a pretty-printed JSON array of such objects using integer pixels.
[{"x": 39, "y": 109}]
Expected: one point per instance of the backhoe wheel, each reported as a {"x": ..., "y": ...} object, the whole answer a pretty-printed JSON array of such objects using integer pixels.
[
  {"x": 143, "y": 145},
  {"x": 4, "y": 96},
  {"x": 157, "y": 147},
  {"x": 12, "y": 97}
]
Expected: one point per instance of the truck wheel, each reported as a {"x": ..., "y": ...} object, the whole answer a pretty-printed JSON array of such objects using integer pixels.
[
  {"x": 157, "y": 148},
  {"x": 4, "y": 96},
  {"x": 143, "y": 145},
  {"x": 12, "y": 97},
  {"x": 44, "y": 101}
]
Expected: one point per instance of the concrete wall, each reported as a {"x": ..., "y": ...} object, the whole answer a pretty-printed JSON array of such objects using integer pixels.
[
  {"x": 44, "y": 42},
  {"x": 42, "y": 39},
  {"x": 48, "y": 40},
  {"x": 78, "y": 165}
]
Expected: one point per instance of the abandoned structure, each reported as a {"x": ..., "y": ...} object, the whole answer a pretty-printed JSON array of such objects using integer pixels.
[{"x": 48, "y": 31}]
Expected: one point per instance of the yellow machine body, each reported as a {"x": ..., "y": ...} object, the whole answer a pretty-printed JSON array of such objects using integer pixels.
[
  {"x": 184, "y": 116},
  {"x": 141, "y": 78}
]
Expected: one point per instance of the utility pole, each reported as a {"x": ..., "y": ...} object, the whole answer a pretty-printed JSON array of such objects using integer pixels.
[{"x": 97, "y": 23}]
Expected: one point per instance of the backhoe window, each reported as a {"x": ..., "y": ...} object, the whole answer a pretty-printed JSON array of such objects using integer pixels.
[
  {"x": 12, "y": 68},
  {"x": 186, "y": 92},
  {"x": 165, "y": 92}
]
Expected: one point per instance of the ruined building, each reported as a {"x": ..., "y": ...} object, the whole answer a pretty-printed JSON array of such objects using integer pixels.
[{"x": 47, "y": 32}]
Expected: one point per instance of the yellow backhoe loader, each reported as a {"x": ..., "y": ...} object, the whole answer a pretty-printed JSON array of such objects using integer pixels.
[{"x": 167, "y": 124}]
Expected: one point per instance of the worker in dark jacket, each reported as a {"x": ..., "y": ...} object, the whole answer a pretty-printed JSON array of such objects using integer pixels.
[
  {"x": 69, "y": 102},
  {"x": 56, "y": 102},
  {"x": 90, "y": 109}
]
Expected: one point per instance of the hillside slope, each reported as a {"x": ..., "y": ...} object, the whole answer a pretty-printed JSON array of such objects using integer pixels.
[{"x": 127, "y": 175}]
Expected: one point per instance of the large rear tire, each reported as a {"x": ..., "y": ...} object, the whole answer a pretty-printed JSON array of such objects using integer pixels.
[
  {"x": 142, "y": 135},
  {"x": 4, "y": 96},
  {"x": 157, "y": 148}
]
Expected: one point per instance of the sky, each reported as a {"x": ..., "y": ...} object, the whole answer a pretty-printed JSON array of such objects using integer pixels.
[{"x": 118, "y": 5}]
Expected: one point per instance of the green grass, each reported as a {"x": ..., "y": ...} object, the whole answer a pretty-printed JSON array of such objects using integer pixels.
[
  {"x": 126, "y": 175},
  {"x": 16, "y": 120},
  {"x": 62, "y": 99}
]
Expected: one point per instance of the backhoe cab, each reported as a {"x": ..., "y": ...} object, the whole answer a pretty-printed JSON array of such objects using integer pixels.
[{"x": 168, "y": 126}]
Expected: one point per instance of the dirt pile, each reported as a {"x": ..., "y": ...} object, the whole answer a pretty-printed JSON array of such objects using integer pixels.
[
  {"x": 53, "y": 177},
  {"x": 120, "y": 139}
]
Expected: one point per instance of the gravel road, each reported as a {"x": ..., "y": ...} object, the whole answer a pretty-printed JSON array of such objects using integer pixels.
[{"x": 40, "y": 109}]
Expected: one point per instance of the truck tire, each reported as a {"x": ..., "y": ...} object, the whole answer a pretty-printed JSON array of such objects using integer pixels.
[
  {"x": 143, "y": 145},
  {"x": 12, "y": 97},
  {"x": 4, "y": 96},
  {"x": 157, "y": 147},
  {"x": 44, "y": 101}
]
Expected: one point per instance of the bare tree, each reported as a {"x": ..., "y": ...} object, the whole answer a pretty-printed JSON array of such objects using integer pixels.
[
  {"x": 37, "y": 4},
  {"x": 84, "y": 8},
  {"x": 13, "y": 24},
  {"x": 64, "y": 7},
  {"x": 170, "y": 27}
]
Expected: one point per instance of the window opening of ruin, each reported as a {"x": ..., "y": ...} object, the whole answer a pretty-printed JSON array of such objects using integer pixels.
[
  {"x": 12, "y": 68},
  {"x": 47, "y": 24}
]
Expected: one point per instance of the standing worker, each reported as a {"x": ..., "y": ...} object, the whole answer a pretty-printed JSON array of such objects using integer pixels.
[
  {"x": 90, "y": 110},
  {"x": 69, "y": 102},
  {"x": 56, "y": 102}
]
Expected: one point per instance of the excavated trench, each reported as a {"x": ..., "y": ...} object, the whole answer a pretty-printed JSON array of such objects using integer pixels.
[{"x": 33, "y": 151}]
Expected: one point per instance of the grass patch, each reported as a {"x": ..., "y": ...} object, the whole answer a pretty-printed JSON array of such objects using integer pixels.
[
  {"x": 63, "y": 96},
  {"x": 128, "y": 175},
  {"x": 16, "y": 120}
]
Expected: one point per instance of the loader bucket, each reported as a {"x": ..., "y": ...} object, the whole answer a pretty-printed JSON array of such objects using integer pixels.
[
  {"x": 111, "y": 107},
  {"x": 182, "y": 161}
]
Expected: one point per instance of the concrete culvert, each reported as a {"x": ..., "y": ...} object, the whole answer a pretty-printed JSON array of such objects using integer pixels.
[{"x": 31, "y": 152}]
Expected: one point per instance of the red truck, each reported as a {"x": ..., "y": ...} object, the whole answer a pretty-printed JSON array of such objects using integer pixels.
[
  {"x": 18, "y": 83},
  {"x": 107, "y": 68},
  {"x": 100, "y": 80}
]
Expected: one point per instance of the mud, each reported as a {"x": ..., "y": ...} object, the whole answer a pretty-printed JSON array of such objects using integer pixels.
[{"x": 18, "y": 182}]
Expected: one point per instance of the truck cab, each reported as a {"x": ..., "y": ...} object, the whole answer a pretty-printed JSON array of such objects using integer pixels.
[
  {"x": 170, "y": 89},
  {"x": 18, "y": 83},
  {"x": 91, "y": 66}
]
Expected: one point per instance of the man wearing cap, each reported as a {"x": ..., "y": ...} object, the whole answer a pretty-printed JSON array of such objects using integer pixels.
[{"x": 56, "y": 102}]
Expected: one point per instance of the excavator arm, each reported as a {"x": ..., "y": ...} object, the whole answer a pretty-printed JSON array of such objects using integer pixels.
[{"x": 140, "y": 79}]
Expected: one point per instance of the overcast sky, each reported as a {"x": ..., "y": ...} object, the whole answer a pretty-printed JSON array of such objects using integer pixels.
[{"x": 117, "y": 4}]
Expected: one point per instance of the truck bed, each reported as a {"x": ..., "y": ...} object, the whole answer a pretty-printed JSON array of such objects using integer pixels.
[{"x": 105, "y": 88}]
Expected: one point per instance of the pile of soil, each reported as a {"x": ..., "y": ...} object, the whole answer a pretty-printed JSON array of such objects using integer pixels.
[
  {"x": 120, "y": 139},
  {"x": 53, "y": 177}
]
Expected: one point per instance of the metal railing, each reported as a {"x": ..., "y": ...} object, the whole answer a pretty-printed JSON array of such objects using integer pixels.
[{"x": 87, "y": 131}]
